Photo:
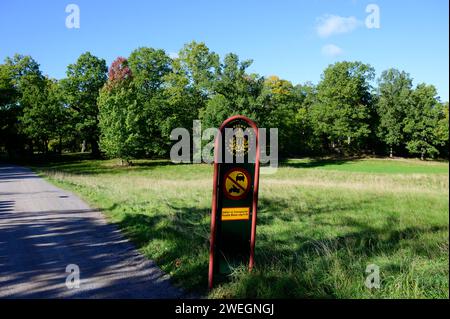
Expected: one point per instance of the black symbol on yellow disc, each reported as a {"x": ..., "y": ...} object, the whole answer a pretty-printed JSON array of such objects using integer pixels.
[{"x": 236, "y": 183}]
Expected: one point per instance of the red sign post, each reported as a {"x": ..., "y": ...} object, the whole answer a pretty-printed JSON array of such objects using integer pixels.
[{"x": 235, "y": 197}]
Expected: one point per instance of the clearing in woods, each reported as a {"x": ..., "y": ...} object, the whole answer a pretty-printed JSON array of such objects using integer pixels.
[{"x": 320, "y": 223}]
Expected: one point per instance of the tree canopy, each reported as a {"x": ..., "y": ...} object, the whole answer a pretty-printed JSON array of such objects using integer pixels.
[
  {"x": 129, "y": 109},
  {"x": 81, "y": 88}
]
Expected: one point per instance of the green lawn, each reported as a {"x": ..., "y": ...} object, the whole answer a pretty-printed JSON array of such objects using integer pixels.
[{"x": 320, "y": 224}]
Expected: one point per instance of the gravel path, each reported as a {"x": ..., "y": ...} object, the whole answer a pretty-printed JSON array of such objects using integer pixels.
[{"x": 43, "y": 229}]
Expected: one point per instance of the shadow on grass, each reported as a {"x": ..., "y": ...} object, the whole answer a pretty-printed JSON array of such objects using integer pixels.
[
  {"x": 178, "y": 243},
  {"x": 313, "y": 163},
  {"x": 298, "y": 266},
  {"x": 289, "y": 264},
  {"x": 272, "y": 209},
  {"x": 85, "y": 164}
]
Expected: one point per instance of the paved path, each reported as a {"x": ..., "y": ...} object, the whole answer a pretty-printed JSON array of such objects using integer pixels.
[{"x": 43, "y": 229}]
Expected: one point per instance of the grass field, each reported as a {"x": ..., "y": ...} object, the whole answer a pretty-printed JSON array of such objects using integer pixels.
[{"x": 320, "y": 224}]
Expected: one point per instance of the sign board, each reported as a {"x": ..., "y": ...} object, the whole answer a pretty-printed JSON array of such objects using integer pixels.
[{"x": 235, "y": 196}]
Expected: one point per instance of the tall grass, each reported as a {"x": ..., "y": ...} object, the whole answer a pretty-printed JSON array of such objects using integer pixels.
[{"x": 320, "y": 224}]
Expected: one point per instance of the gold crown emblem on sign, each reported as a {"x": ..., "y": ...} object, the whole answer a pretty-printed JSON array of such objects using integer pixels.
[{"x": 238, "y": 144}]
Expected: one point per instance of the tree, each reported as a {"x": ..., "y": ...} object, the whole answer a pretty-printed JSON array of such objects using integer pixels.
[
  {"x": 394, "y": 90},
  {"x": 44, "y": 116},
  {"x": 30, "y": 104},
  {"x": 280, "y": 103},
  {"x": 131, "y": 111},
  {"x": 343, "y": 108},
  {"x": 189, "y": 85},
  {"x": 200, "y": 66},
  {"x": 9, "y": 111},
  {"x": 118, "y": 73},
  {"x": 234, "y": 92},
  {"x": 22, "y": 66},
  {"x": 15, "y": 75},
  {"x": 307, "y": 141},
  {"x": 84, "y": 80},
  {"x": 421, "y": 121},
  {"x": 115, "y": 101},
  {"x": 442, "y": 129},
  {"x": 149, "y": 68}
]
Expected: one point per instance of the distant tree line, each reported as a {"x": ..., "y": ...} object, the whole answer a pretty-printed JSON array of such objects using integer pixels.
[{"x": 129, "y": 110}]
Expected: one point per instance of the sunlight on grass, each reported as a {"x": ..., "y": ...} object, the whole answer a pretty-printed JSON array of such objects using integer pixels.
[{"x": 319, "y": 224}]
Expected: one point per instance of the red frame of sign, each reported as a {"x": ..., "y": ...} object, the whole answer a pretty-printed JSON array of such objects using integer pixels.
[{"x": 214, "y": 197}]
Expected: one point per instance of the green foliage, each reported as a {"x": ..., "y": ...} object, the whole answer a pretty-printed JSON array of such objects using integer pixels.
[
  {"x": 200, "y": 66},
  {"x": 81, "y": 88},
  {"x": 9, "y": 111},
  {"x": 149, "y": 67},
  {"x": 234, "y": 92},
  {"x": 442, "y": 128},
  {"x": 394, "y": 89},
  {"x": 20, "y": 67},
  {"x": 342, "y": 111},
  {"x": 24, "y": 95},
  {"x": 8, "y": 93},
  {"x": 343, "y": 114},
  {"x": 44, "y": 115},
  {"x": 189, "y": 85},
  {"x": 115, "y": 101},
  {"x": 422, "y": 120},
  {"x": 281, "y": 107},
  {"x": 320, "y": 224},
  {"x": 183, "y": 99},
  {"x": 116, "y": 138}
]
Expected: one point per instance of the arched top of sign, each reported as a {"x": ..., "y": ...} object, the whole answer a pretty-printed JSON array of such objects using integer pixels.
[
  {"x": 240, "y": 143},
  {"x": 239, "y": 117}
]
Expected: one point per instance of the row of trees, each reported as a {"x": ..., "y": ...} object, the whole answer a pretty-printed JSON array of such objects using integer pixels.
[{"x": 129, "y": 110}]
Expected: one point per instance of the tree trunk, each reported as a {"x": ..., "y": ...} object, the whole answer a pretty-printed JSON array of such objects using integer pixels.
[
  {"x": 125, "y": 162},
  {"x": 30, "y": 150},
  {"x": 60, "y": 145},
  {"x": 95, "y": 148},
  {"x": 83, "y": 146}
]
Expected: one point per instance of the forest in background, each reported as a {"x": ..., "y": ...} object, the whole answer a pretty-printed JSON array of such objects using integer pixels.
[{"x": 128, "y": 110}]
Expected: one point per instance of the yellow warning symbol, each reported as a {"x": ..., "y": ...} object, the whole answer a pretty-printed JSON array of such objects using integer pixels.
[
  {"x": 236, "y": 183},
  {"x": 235, "y": 213}
]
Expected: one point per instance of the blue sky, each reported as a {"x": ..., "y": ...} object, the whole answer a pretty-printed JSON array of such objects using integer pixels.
[{"x": 295, "y": 40}]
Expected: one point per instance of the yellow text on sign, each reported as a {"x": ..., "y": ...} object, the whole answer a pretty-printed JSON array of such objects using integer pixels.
[{"x": 235, "y": 213}]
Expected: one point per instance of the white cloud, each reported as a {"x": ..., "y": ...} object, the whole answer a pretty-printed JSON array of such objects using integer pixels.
[
  {"x": 331, "y": 50},
  {"x": 331, "y": 24}
]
